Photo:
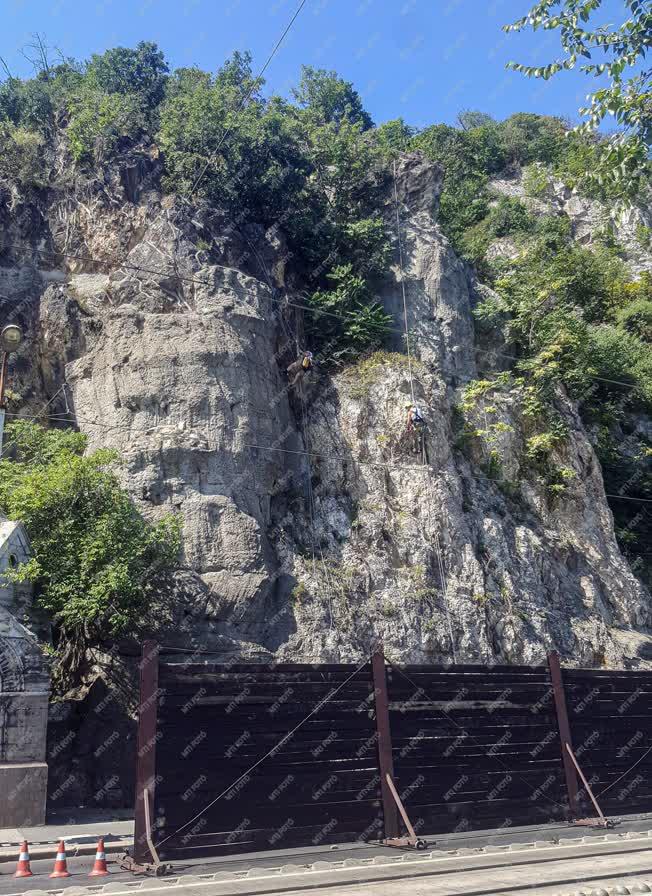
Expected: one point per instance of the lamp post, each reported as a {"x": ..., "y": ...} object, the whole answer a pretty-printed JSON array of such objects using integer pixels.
[{"x": 10, "y": 339}]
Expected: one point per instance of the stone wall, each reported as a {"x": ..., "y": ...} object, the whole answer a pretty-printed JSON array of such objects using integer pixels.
[{"x": 24, "y": 690}]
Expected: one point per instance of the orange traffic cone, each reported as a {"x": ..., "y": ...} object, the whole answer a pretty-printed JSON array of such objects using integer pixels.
[
  {"x": 22, "y": 868},
  {"x": 60, "y": 865},
  {"x": 99, "y": 868}
]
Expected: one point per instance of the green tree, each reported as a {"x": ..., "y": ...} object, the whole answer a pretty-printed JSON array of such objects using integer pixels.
[
  {"x": 122, "y": 70},
  {"x": 526, "y": 138},
  {"x": 116, "y": 96},
  {"x": 259, "y": 171},
  {"x": 468, "y": 119},
  {"x": 98, "y": 567},
  {"x": 394, "y": 136},
  {"x": 351, "y": 321},
  {"x": 330, "y": 99},
  {"x": 617, "y": 55}
]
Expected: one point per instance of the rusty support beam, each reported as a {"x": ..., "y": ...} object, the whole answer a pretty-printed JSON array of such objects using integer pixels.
[
  {"x": 564, "y": 732},
  {"x": 601, "y": 821},
  {"x": 146, "y": 757},
  {"x": 385, "y": 761}
]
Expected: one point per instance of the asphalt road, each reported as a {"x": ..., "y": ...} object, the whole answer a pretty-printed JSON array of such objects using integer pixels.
[
  {"x": 627, "y": 849},
  {"x": 534, "y": 870}
]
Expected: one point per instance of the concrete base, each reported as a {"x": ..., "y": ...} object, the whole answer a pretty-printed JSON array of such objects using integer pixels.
[{"x": 23, "y": 786}]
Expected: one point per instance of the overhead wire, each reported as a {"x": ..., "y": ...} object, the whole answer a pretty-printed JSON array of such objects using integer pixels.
[
  {"x": 248, "y": 94},
  {"x": 281, "y": 302},
  {"x": 412, "y": 468}
]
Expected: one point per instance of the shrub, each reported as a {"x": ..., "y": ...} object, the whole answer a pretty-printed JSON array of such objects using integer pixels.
[
  {"x": 535, "y": 180},
  {"x": 508, "y": 216},
  {"x": 97, "y": 565},
  {"x": 22, "y": 155},
  {"x": 636, "y": 318},
  {"x": 99, "y": 120},
  {"x": 365, "y": 325},
  {"x": 621, "y": 356}
]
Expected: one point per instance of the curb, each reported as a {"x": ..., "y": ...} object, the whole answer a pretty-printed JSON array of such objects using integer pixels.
[{"x": 48, "y": 850}]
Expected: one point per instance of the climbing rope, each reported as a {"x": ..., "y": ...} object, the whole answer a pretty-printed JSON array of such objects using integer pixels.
[
  {"x": 400, "y": 261},
  {"x": 444, "y": 581},
  {"x": 311, "y": 498}
]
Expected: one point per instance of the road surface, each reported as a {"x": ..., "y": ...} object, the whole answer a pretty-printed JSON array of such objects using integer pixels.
[{"x": 581, "y": 861}]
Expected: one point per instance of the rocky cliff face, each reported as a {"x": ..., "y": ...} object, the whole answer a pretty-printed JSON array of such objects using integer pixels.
[
  {"x": 630, "y": 226},
  {"x": 312, "y": 527}
]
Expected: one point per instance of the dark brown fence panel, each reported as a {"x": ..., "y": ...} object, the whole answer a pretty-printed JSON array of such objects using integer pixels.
[
  {"x": 474, "y": 747},
  {"x": 468, "y": 747},
  {"x": 215, "y": 722},
  {"x": 609, "y": 714}
]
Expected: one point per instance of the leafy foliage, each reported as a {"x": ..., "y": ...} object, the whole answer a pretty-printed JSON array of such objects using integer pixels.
[
  {"x": 99, "y": 120},
  {"x": 364, "y": 325},
  {"x": 327, "y": 99},
  {"x": 142, "y": 71},
  {"x": 97, "y": 565},
  {"x": 627, "y": 94},
  {"x": 117, "y": 96},
  {"x": 21, "y": 155},
  {"x": 259, "y": 170}
]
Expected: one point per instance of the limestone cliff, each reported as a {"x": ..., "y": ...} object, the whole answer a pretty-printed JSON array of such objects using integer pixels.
[{"x": 311, "y": 528}]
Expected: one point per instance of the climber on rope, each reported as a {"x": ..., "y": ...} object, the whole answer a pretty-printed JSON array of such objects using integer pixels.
[
  {"x": 299, "y": 368},
  {"x": 415, "y": 419},
  {"x": 416, "y": 431}
]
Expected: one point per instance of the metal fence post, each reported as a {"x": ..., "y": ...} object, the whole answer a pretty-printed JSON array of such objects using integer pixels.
[
  {"x": 385, "y": 762},
  {"x": 564, "y": 731},
  {"x": 146, "y": 756}
]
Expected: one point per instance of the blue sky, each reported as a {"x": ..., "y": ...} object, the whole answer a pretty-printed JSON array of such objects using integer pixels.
[{"x": 420, "y": 59}]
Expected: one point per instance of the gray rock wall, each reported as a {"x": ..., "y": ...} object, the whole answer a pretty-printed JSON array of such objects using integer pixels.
[{"x": 174, "y": 356}]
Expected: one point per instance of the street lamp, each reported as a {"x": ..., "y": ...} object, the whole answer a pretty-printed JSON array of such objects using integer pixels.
[{"x": 10, "y": 340}]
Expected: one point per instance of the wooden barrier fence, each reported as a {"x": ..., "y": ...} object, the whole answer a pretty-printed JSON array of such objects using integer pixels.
[{"x": 240, "y": 757}]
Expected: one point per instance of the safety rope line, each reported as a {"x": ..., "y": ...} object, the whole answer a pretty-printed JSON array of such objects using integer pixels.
[
  {"x": 421, "y": 689},
  {"x": 282, "y": 303},
  {"x": 3, "y": 448},
  {"x": 274, "y": 749},
  {"x": 624, "y": 774},
  {"x": 444, "y": 580},
  {"x": 414, "y": 468},
  {"x": 400, "y": 259},
  {"x": 312, "y": 509},
  {"x": 247, "y": 96}
]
